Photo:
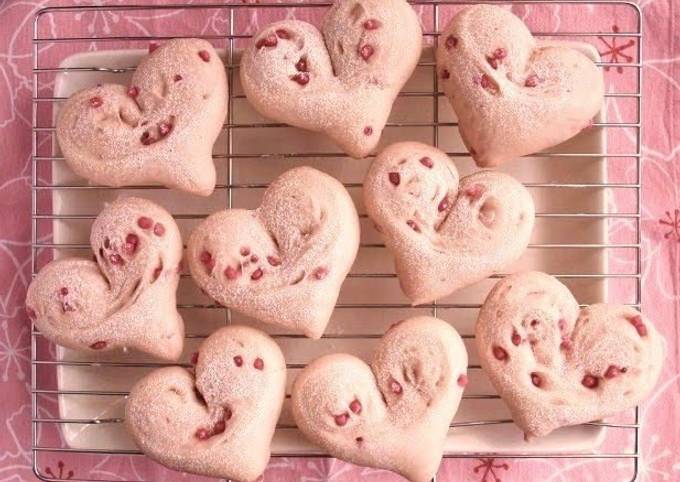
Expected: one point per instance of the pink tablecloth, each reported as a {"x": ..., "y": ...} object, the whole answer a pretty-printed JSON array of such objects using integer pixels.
[{"x": 660, "y": 440}]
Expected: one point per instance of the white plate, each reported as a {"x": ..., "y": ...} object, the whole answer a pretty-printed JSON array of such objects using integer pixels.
[{"x": 498, "y": 438}]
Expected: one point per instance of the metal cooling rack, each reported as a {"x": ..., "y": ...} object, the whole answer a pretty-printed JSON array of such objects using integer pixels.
[{"x": 43, "y": 126}]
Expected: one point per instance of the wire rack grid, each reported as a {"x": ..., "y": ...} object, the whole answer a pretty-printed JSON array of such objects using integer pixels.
[{"x": 42, "y": 211}]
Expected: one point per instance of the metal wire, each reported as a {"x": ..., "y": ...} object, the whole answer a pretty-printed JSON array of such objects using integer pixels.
[{"x": 43, "y": 125}]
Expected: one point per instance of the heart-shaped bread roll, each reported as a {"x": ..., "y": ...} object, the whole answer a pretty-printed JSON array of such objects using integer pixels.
[
  {"x": 126, "y": 297},
  {"x": 557, "y": 365},
  {"x": 394, "y": 414},
  {"x": 284, "y": 262},
  {"x": 160, "y": 129},
  {"x": 445, "y": 234},
  {"x": 221, "y": 421},
  {"x": 341, "y": 81},
  {"x": 514, "y": 95}
]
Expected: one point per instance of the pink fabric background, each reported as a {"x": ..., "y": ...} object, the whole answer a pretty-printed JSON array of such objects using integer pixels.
[{"x": 660, "y": 441}]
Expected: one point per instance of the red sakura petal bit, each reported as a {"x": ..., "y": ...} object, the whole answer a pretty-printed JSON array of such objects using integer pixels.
[
  {"x": 159, "y": 229},
  {"x": 254, "y": 259},
  {"x": 368, "y": 130},
  {"x": 283, "y": 34},
  {"x": 116, "y": 259},
  {"x": 145, "y": 222},
  {"x": 445, "y": 74},
  {"x": 372, "y": 24},
  {"x": 98, "y": 345},
  {"x": 566, "y": 344},
  {"x": 207, "y": 260},
  {"x": 301, "y": 78},
  {"x": 177, "y": 78},
  {"x": 427, "y": 162},
  {"x": 257, "y": 274},
  {"x": 274, "y": 261},
  {"x": 499, "y": 353},
  {"x": 133, "y": 91},
  {"x": 500, "y": 53},
  {"x": 258, "y": 364},
  {"x": 204, "y": 55},
  {"x": 614, "y": 371},
  {"x": 164, "y": 128},
  {"x": 320, "y": 273},
  {"x": 493, "y": 62},
  {"x": 451, "y": 42},
  {"x": 96, "y": 101},
  {"x": 516, "y": 339},
  {"x": 238, "y": 360},
  {"x": 341, "y": 420},
  {"x": 355, "y": 406},
  {"x": 636, "y": 321},
  {"x": 202, "y": 434},
  {"x": 268, "y": 41},
  {"x": 463, "y": 380},
  {"x": 63, "y": 291},
  {"x": 153, "y": 46},
  {"x": 301, "y": 65},
  {"x": 194, "y": 358},
  {"x": 394, "y": 178},
  {"x": 444, "y": 204},
  {"x": 412, "y": 224},
  {"x": 245, "y": 251},
  {"x": 590, "y": 381},
  {"x": 531, "y": 81},
  {"x": 475, "y": 192},
  {"x": 366, "y": 51},
  {"x": 131, "y": 243},
  {"x": 231, "y": 273},
  {"x": 485, "y": 81},
  {"x": 395, "y": 387},
  {"x": 147, "y": 139},
  {"x": 536, "y": 380}
]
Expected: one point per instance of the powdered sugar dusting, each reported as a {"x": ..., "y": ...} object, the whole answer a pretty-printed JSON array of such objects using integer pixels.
[
  {"x": 565, "y": 366},
  {"x": 161, "y": 129},
  {"x": 445, "y": 234},
  {"x": 424, "y": 357},
  {"x": 284, "y": 262},
  {"x": 351, "y": 75},
  {"x": 513, "y": 95},
  {"x": 124, "y": 299},
  {"x": 221, "y": 422}
]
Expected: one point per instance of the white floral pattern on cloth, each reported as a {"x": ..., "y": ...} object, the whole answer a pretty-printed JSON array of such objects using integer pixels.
[{"x": 660, "y": 437}]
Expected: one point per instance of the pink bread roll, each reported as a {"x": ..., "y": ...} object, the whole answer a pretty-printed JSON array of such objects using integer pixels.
[
  {"x": 220, "y": 422},
  {"x": 556, "y": 365},
  {"x": 126, "y": 297},
  {"x": 341, "y": 81},
  {"x": 513, "y": 95},
  {"x": 394, "y": 414},
  {"x": 444, "y": 233},
  {"x": 160, "y": 129},
  {"x": 284, "y": 262}
]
